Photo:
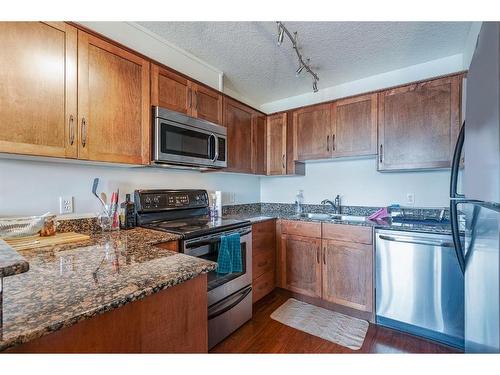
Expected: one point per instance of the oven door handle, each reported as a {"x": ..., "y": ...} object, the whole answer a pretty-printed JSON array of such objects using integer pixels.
[
  {"x": 190, "y": 245},
  {"x": 243, "y": 295},
  {"x": 202, "y": 243}
]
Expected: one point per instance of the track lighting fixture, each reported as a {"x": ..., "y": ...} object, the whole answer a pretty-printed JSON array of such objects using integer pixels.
[{"x": 282, "y": 30}]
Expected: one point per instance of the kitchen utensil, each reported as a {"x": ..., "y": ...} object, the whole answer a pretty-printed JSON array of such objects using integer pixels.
[{"x": 94, "y": 191}]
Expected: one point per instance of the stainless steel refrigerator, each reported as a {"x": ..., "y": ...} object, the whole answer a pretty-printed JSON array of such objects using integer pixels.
[{"x": 475, "y": 195}]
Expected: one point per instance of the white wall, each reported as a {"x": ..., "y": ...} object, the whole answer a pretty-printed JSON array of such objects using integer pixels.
[
  {"x": 434, "y": 68},
  {"x": 359, "y": 184},
  {"x": 33, "y": 187}
]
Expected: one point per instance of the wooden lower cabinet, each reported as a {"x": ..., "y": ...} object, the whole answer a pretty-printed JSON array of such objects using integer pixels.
[
  {"x": 171, "y": 321},
  {"x": 347, "y": 274},
  {"x": 263, "y": 258},
  {"x": 301, "y": 265},
  {"x": 333, "y": 262}
]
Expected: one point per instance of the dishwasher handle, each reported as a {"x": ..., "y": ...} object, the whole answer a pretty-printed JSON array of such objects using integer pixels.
[{"x": 417, "y": 241}]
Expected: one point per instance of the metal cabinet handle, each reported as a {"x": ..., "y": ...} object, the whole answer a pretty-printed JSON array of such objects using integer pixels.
[
  {"x": 195, "y": 100},
  {"x": 71, "y": 130},
  {"x": 381, "y": 153},
  {"x": 190, "y": 98},
  {"x": 327, "y": 143},
  {"x": 324, "y": 255},
  {"x": 317, "y": 255},
  {"x": 283, "y": 161},
  {"x": 84, "y": 132},
  {"x": 333, "y": 142}
]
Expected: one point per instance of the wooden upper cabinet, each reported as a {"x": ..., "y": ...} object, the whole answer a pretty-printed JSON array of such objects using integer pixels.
[
  {"x": 419, "y": 124},
  {"x": 177, "y": 93},
  {"x": 259, "y": 148},
  {"x": 276, "y": 144},
  {"x": 301, "y": 265},
  {"x": 38, "y": 88},
  {"x": 207, "y": 104},
  {"x": 312, "y": 128},
  {"x": 238, "y": 120},
  {"x": 170, "y": 90},
  {"x": 354, "y": 126},
  {"x": 113, "y": 103},
  {"x": 347, "y": 274}
]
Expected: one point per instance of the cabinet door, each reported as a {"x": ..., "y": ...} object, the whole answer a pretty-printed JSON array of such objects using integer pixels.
[
  {"x": 170, "y": 90},
  {"x": 348, "y": 274},
  {"x": 355, "y": 126},
  {"x": 312, "y": 132},
  {"x": 207, "y": 104},
  {"x": 238, "y": 120},
  {"x": 38, "y": 90},
  {"x": 418, "y": 124},
  {"x": 301, "y": 264},
  {"x": 113, "y": 103},
  {"x": 276, "y": 144},
  {"x": 259, "y": 149}
]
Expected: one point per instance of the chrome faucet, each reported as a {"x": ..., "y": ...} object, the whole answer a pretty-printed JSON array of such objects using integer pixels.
[{"x": 335, "y": 205}]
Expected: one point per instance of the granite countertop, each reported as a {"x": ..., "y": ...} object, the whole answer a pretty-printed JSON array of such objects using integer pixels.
[
  {"x": 68, "y": 283},
  {"x": 11, "y": 263},
  {"x": 379, "y": 224}
]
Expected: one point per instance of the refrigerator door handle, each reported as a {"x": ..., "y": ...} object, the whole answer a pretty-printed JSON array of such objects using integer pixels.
[
  {"x": 456, "y": 234},
  {"x": 455, "y": 164}
]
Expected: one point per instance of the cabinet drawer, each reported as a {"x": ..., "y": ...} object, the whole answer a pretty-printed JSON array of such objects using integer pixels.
[
  {"x": 262, "y": 263},
  {"x": 301, "y": 228},
  {"x": 347, "y": 233},
  {"x": 262, "y": 286}
]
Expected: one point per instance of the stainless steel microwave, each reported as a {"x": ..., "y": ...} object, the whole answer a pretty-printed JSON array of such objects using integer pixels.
[{"x": 186, "y": 141}]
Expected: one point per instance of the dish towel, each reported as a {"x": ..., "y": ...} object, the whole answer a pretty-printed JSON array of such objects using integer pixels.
[{"x": 229, "y": 258}]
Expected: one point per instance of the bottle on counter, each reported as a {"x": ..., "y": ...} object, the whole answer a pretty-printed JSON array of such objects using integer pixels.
[
  {"x": 127, "y": 214},
  {"x": 299, "y": 201}
]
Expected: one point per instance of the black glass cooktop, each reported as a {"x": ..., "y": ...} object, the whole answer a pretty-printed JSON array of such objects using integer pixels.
[{"x": 197, "y": 226}]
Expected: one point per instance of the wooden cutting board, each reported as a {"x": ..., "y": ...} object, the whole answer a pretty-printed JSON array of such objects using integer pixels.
[{"x": 34, "y": 242}]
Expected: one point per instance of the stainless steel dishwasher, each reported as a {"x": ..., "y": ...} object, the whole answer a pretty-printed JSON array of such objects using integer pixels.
[{"x": 419, "y": 285}]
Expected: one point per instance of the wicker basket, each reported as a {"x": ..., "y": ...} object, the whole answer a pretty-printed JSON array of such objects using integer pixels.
[{"x": 22, "y": 226}]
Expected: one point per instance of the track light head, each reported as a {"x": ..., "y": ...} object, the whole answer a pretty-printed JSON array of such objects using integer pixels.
[
  {"x": 315, "y": 86},
  {"x": 281, "y": 34},
  {"x": 299, "y": 70}
]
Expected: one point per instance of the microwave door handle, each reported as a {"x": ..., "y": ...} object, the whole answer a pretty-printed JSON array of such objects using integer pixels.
[{"x": 216, "y": 147}]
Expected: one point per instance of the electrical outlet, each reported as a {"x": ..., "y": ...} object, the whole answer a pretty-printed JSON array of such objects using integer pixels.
[
  {"x": 410, "y": 199},
  {"x": 66, "y": 205}
]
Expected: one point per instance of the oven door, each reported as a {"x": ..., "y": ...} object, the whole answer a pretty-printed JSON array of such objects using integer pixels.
[
  {"x": 221, "y": 286},
  {"x": 184, "y": 144}
]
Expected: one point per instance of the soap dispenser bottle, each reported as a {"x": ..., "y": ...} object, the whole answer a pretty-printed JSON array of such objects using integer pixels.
[{"x": 299, "y": 200}]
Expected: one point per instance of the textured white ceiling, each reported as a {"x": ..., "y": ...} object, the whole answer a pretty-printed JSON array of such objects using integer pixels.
[{"x": 256, "y": 68}]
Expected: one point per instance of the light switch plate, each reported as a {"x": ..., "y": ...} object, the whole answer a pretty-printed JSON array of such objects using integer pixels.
[{"x": 65, "y": 205}]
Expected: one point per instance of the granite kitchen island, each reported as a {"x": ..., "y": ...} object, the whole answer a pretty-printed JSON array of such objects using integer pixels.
[{"x": 125, "y": 291}]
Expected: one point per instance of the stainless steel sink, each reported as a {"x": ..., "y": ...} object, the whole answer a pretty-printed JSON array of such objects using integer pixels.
[
  {"x": 318, "y": 216},
  {"x": 348, "y": 217},
  {"x": 328, "y": 217}
]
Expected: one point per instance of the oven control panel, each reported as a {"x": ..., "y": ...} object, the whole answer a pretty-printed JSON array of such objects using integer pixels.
[{"x": 163, "y": 200}]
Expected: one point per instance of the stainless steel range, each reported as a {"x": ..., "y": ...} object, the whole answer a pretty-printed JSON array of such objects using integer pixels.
[{"x": 185, "y": 212}]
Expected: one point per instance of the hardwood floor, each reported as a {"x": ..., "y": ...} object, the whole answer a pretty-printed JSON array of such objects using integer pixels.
[{"x": 265, "y": 335}]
